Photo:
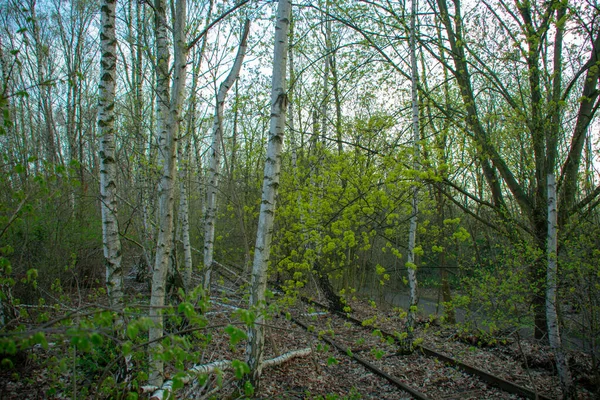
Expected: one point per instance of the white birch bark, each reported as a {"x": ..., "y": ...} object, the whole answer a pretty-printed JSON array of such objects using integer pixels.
[
  {"x": 552, "y": 304},
  {"x": 214, "y": 168},
  {"x": 51, "y": 140},
  {"x": 168, "y": 124},
  {"x": 551, "y": 296},
  {"x": 223, "y": 365},
  {"x": 326, "y": 67},
  {"x": 256, "y": 338},
  {"x": 412, "y": 233},
  {"x": 111, "y": 242},
  {"x": 184, "y": 221}
]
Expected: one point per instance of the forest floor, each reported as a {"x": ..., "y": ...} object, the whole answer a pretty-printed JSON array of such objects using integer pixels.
[{"x": 328, "y": 373}]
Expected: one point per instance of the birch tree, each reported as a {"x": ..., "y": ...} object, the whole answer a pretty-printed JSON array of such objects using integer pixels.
[
  {"x": 215, "y": 157},
  {"x": 258, "y": 285},
  {"x": 412, "y": 233},
  {"x": 554, "y": 337},
  {"x": 184, "y": 221},
  {"x": 43, "y": 55},
  {"x": 169, "y": 107},
  {"x": 108, "y": 167}
]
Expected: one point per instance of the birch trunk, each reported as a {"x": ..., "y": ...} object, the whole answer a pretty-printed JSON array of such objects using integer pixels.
[
  {"x": 215, "y": 158},
  {"x": 204, "y": 369},
  {"x": 44, "y": 84},
  {"x": 551, "y": 293},
  {"x": 552, "y": 304},
  {"x": 412, "y": 233},
  {"x": 169, "y": 106},
  {"x": 326, "y": 67},
  {"x": 256, "y": 339},
  {"x": 184, "y": 171},
  {"x": 184, "y": 221},
  {"x": 238, "y": 207},
  {"x": 111, "y": 242}
]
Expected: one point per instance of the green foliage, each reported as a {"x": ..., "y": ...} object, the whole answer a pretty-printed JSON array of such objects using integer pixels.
[
  {"x": 377, "y": 353},
  {"x": 52, "y": 228},
  {"x": 235, "y": 334},
  {"x": 579, "y": 266},
  {"x": 246, "y": 316},
  {"x": 96, "y": 348},
  {"x": 240, "y": 368}
]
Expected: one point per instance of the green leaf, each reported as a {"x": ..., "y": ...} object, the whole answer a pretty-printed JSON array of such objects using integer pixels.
[
  {"x": 235, "y": 334},
  {"x": 248, "y": 389},
  {"x": 132, "y": 331},
  {"x": 186, "y": 308},
  {"x": 40, "y": 338},
  {"x": 246, "y": 316},
  {"x": 6, "y": 363},
  {"x": 96, "y": 339},
  {"x": 178, "y": 380},
  {"x": 240, "y": 368}
]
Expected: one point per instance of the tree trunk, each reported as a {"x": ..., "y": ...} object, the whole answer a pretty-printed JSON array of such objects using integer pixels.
[
  {"x": 215, "y": 158},
  {"x": 45, "y": 102},
  {"x": 185, "y": 160},
  {"x": 333, "y": 299},
  {"x": 168, "y": 124},
  {"x": 552, "y": 301},
  {"x": 184, "y": 221},
  {"x": 108, "y": 168},
  {"x": 256, "y": 339},
  {"x": 446, "y": 292},
  {"x": 412, "y": 233},
  {"x": 554, "y": 338}
]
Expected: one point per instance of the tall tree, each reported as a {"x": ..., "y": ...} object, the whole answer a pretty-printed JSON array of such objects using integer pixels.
[
  {"x": 215, "y": 150},
  {"x": 554, "y": 337},
  {"x": 185, "y": 159},
  {"x": 258, "y": 285},
  {"x": 168, "y": 118},
  {"x": 108, "y": 162},
  {"x": 412, "y": 232},
  {"x": 536, "y": 115},
  {"x": 44, "y": 83}
]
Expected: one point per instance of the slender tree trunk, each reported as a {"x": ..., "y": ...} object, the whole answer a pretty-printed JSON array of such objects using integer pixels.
[
  {"x": 237, "y": 202},
  {"x": 326, "y": 67},
  {"x": 446, "y": 292},
  {"x": 291, "y": 94},
  {"x": 338, "y": 106},
  {"x": 108, "y": 167},
  {"x": 137, "y": 78},
  {"x": 185, "y": 160},
  {"x": 412, "y": 233},
  {"x": 256, "y": 338},
  {"x": 184, "y": 221},
  {"x": 42, "y": 54},
  {"x": 168, "y": 125},
  {"x": 215, "y": 158},
  {"x": 552, "y": 301},
  {"x": 554, "y": 338}
]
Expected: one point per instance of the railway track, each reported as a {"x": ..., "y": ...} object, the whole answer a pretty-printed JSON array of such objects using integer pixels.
[
  {"x": 376, "y": 350},
  {"x": 483, "y": 376}
]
